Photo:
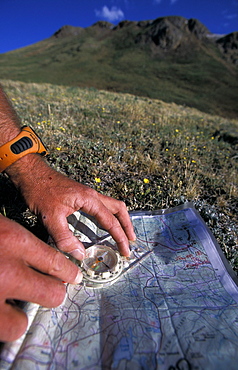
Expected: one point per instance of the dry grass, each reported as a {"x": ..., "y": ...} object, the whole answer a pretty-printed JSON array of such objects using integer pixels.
[{"x": 146, "y": 152}]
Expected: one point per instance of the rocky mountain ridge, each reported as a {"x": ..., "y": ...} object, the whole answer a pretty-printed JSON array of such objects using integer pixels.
[
  {"x": 162, "y": 34},
  {"x": 173, "y": 59}
]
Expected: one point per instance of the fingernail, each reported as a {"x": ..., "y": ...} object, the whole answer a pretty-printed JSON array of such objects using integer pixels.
[
  {"x": 78, "y": 254},
  {"x": 78, "y": 278},
  {"x": 64, "y": 300},
  {"x": 133, "y": 239}
]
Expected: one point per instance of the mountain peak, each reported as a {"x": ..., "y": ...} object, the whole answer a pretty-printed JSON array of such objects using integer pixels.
[
  {"x": 169, "y": 33},
  {"x": 228, "y": 44},
  {"x": 66, "y": 31},
  {"x": 198, "y": 28},
  {"x": 103, "y": 24}
]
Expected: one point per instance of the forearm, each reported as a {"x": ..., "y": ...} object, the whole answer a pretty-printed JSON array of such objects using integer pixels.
[
  {"x": 9, "y": 122},
  {"x": 10, "y": 127}
]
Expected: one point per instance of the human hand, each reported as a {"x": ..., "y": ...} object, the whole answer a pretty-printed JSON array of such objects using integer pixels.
[
  {"x": 30, "y": 271},
  {"x": 53, "y": 197}
]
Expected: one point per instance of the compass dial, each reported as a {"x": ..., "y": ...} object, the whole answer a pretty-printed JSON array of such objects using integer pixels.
[{"x": 101, "y": 263}]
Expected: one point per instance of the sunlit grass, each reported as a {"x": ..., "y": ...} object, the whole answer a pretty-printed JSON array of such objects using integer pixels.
[{"x": 146, "y": 152}]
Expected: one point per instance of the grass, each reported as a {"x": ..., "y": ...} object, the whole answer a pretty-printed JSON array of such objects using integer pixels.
[
  {"x": 195, "y": 74},
  {"x": 146, "y": 152}
]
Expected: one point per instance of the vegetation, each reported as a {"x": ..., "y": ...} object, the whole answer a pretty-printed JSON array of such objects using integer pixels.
[
  {"x": 149, "y": 153},
  {"x": 160, "y": 60}
]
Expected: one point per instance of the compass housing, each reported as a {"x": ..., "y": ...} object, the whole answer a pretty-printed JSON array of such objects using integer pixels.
[{"x": 101, "y": 264}]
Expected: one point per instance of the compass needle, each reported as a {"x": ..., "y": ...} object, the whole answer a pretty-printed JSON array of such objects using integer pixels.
[
  {"x": 102, "y": 264},
  {"x": 106, "y": 265}
]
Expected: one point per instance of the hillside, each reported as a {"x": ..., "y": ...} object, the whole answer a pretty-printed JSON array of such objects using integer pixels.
[{"x": 170, "y": 58}]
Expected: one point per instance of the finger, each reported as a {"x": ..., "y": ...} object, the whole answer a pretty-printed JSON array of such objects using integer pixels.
[
  {"x": 39, "y": 255},
  {"x": 52, "y": 262},
  {"x": 35, "y": 287},
  {"x": 13, "y": 322},
  {"x": 109, "y": 222},
  {"x": 122, "y": 241},
  {"x": 64, "y": 238},
  {"x": 118, "y": 208}
]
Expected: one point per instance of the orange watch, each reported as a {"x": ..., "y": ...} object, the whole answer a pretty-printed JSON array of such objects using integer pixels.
[{"x": 24, "y": 143}]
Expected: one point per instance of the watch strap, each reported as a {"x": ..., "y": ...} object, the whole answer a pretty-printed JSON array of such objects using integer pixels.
[{"x": 25, "y": 143}]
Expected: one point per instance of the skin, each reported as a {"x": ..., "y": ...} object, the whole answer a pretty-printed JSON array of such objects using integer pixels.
[
  {"x": 52, "y": 196},
  {"x": 30, "y": 269}
]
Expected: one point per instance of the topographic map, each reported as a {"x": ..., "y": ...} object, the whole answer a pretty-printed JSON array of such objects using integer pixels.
[{"x": 175, "y": 308}]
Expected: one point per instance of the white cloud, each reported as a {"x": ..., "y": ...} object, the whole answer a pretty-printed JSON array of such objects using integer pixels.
[
  {"x": 231, "y": 16},
  {"x": 113, "y": 14}
]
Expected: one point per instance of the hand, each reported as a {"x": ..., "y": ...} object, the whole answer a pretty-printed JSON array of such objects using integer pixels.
[
  {"x": 30, "y": 271},
  {"x": 53, "y": 197}
]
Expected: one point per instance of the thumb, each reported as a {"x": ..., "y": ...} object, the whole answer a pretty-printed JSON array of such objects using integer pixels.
[{"x": 64, "y": 238}]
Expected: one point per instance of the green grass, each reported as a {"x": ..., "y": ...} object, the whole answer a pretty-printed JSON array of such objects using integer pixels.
[
  {"x": 195, "y": 74},
  {"x": 146, "y": 152}
]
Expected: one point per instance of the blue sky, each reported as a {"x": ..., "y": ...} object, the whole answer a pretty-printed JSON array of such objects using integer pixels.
[{"x": 24, "y": 22}]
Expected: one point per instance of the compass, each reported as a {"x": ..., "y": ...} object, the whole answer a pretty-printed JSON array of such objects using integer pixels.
[{"x": 101, "y": 264}]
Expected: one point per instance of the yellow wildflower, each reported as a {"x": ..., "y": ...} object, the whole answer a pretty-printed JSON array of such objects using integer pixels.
[
  {"x": 146, "y": 181},
  {"x": 97, "y": 179}
]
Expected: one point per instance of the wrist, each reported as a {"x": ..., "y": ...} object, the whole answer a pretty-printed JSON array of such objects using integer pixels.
[
  {"x": 29, "y": 168},
  {"x": 26, "y": 142},
  {"x": 8, "y": 131}
]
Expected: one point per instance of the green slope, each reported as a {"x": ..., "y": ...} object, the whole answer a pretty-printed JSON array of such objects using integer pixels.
[{"x": 183, "y": 68}]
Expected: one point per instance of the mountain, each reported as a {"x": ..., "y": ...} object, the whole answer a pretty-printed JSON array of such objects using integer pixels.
[{"x": 170, "y": 58}]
